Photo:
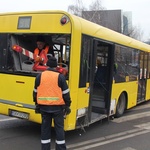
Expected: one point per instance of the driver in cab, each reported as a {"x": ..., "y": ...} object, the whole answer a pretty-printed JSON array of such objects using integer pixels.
[{"x": 40, "y": 53}]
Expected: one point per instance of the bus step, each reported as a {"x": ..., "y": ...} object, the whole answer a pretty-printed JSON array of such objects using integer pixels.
[{"x": 99, "y": 110}]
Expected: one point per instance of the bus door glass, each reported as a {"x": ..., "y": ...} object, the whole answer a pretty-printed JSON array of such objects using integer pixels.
[
  {"x": 101, "y": 77},
  {"x": 142, "y": 76}
]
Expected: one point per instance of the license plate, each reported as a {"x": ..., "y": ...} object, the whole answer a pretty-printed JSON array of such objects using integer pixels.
[{"x": 19, "y": 114}]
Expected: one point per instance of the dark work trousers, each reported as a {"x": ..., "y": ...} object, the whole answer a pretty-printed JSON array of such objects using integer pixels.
[{"x": 46, "y": 130}]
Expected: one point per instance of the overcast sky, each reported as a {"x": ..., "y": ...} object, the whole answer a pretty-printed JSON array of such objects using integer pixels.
[{"x": 140, "y": 8}]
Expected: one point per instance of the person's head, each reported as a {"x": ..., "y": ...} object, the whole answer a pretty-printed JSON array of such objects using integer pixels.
[
  {"x": 40, "y": 42},
  {"x": 98, "y": 62},
  {"x": 52, "y": 62}
]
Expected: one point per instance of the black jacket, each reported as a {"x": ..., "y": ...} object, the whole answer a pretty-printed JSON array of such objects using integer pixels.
[{"x": 64, "y": 87}]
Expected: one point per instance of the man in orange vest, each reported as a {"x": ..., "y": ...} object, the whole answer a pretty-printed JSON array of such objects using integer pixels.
[
  {"x": 52, "y": 97},
  {"x": 40, "y": 53}
]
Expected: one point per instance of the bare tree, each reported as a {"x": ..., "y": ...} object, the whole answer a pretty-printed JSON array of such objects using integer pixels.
[
  {"x": 93, "y": 13},
  {"x": 96, "y": 13},
  {"x": 148, "y": 40},
  {"x": 135, "y": 32},
  {"x": 132, "y": 31},
  {"x": 96, "y": 5},
  {"x": 77, "y": 8}
]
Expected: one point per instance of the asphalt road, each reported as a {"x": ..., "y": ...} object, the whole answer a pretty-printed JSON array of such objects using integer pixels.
[{"x": 130, "y": 132}]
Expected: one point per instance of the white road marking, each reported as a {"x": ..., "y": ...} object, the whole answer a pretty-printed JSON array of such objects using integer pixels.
[
  {"x": 128, "y": 148},
  {"x": 144, "y": 126},
  {"x": 131, "y": 117},
  {"x": 112, "y": 140},
  {"x": 141, "y": 129},
  {"x": 109, "y": 139},
  {"x": 139, "y": 107},
  {"x": 90, "y": 144},
  {"x": 7, "y": 119}
]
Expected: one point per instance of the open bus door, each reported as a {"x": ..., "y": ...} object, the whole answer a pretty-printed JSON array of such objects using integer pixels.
[
  {"x": 101, "y": 79},
  {"x": 142, "y": 76}
]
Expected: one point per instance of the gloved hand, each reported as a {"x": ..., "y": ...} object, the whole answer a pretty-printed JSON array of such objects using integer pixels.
[
  {"x": 38, "y": 59},
  {"x": 66, "y": 111},
  {"x": 37, "y": 109}
]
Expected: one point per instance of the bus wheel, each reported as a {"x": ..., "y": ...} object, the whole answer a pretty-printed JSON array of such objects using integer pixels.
[{"x": 121, "y": 106}]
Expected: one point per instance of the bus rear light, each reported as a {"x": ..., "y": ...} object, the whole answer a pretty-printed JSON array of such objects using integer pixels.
[
  {"x": 61, "y": 70},
  {"x": 64, "y": 20},
  {"x": 17, "y": 48}
]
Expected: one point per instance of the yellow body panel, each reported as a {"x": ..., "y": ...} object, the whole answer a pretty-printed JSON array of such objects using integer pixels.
[
  {"x": 83, "y": 98},
  {"x": 18, "y": 94},
  {"x": 20, "y": 88},
  {"x": 148, "y": 90},
  {"x": 46, "y": 22},
  {"x": 130, "y": 88}
]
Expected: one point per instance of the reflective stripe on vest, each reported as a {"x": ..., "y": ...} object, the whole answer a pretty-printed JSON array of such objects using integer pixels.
[{"x": 48, "y": 92}]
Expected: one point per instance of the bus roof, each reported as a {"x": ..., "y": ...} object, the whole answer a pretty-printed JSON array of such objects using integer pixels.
[
  {"x": 96, "y": 30},
  {"x": 110, "y": 35}
]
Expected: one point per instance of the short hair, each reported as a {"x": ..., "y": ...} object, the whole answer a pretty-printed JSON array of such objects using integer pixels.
[
  {"x": 40, "y": 38},
  {"x": 52, "y": 62}
]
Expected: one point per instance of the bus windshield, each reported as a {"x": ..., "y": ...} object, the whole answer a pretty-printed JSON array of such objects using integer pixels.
[{"x": 20, "y": 48}]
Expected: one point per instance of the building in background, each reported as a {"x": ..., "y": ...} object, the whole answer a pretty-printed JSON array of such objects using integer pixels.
[
  {"x": 127, "y": 22},
  {"x": 116, "y": 20}
]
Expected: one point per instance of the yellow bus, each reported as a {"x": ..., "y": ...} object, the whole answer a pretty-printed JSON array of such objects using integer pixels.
[{"x": 107, "y": 72}]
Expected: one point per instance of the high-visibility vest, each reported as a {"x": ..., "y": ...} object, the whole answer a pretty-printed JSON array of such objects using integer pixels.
[
  {"x": 48, "y": 92},
  {"x": 42, "y": 54},
  {"x": 36, "y": 51}
]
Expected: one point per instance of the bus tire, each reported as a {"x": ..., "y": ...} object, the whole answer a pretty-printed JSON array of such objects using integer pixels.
[{"x": 121, "y": 106}]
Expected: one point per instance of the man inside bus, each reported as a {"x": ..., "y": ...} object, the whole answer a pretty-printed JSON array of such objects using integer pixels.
[
  {"x": 41, "y": 52},
  {"x": 100, "y": 73}
]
